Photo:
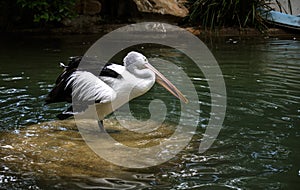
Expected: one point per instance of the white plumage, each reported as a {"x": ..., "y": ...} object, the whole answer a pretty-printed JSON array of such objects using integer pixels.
[
  {"x": 112, "y": 89},
  {"x": 86, "y": 87}
]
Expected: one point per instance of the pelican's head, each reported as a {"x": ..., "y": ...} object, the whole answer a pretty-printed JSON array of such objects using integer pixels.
[
  {"x": 135, "y": 60},
  {"x": 138, "y": 64}
]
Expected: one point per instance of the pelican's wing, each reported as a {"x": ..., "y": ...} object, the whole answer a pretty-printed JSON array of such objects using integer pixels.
[
  {"x": 111, "y": 74},
  {"x": 83, "y": 87},
  {"x": 86, "y": 87},
  {"x": 72, "y": 66},
  {"x": 60, "y": 93},
  {"x": 112, "y": 70}
]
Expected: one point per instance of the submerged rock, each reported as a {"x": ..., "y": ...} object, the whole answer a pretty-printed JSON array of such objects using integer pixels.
[{"x": 57, "y": 149}]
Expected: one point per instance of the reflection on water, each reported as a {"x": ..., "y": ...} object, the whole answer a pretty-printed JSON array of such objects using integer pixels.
[{"x": 256, "y": 149}]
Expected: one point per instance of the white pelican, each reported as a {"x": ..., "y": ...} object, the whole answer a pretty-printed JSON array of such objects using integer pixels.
[{"x": 116, "y": 84}]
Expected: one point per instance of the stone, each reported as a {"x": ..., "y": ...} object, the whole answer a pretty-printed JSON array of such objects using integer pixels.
[
  {"x": 164, "y": 7},
  {"x": 57, "y": 149},
  {"x": 81, "y": 21},
  {"x": 89, "y": 7}
]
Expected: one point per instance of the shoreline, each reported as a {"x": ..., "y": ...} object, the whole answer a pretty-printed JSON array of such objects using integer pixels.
[{"x": 106, "y": 28}]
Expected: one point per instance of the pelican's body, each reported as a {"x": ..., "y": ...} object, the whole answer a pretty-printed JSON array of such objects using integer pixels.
[
  {"x": 129, "y": 82},
  {"x": 115, "y": 86}
]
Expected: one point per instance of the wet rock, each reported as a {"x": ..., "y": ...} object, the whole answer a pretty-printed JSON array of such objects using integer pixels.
[{"x": 58, "y": 149}]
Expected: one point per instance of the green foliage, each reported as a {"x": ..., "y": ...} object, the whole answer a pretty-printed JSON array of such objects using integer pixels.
[
  {"x": 218, "y": 13},
  {"x": 49, "y": 10}
]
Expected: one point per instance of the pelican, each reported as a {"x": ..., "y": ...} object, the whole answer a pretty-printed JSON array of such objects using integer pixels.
[{"x": 115, "y": 85}]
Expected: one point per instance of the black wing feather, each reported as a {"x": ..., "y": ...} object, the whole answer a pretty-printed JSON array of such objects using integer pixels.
[
  {"x": 106, "y": 72},
  {"x": 62, "y": 92}
]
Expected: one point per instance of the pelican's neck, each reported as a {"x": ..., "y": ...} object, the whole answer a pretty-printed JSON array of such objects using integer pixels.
[
  {"x": 141, "y": 73},
  {"x": 142, "y": 81}
]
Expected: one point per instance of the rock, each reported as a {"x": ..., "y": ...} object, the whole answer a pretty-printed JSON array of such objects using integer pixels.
[
  {"x": 194, "y": 31},
  {"x": 57, "y": 148},
  {"x": 81, "y": 21},
  {"x": 120, "y": 9},
  {"x": 89, "y": 7},
  {"x": 164, "y": 7}
]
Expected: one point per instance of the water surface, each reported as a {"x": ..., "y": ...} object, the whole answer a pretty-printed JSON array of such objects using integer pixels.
[{"x": 257, "y": 147}]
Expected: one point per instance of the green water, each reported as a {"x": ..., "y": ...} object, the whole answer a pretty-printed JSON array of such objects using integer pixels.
[{"x": 257, "y": 148}]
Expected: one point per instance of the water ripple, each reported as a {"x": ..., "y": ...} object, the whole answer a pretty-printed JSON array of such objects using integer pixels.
[
  {"x": 109, "y": 184},
  {"x": 257, "y": 147}
]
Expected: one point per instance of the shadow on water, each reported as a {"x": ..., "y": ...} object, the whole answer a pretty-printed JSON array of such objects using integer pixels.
[{"x": 257, "y": 147}]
